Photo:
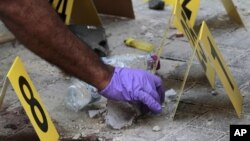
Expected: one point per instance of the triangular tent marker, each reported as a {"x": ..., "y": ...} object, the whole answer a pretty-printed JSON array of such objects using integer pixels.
[
  {"x": 205, "y": 44},
  {"x": 191, "y": 8},
  {"x": 30, "y": 100}
]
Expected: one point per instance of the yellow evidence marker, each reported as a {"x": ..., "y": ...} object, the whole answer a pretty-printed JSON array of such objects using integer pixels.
[
  {"x": 31, "y": 102},
  {"x": 190, "y": 7},
  {"x": 212, "y": 58},
  {"x": 63, "y": 8},
  {"x": 77, "y": 11},
  {"x": 183, "y": 25},
  {"x": 232, "y": 11},
  {"x": 221, "y": 68}
]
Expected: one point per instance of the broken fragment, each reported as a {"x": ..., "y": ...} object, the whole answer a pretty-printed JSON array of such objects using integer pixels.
[{"x": 120, "y": 114}]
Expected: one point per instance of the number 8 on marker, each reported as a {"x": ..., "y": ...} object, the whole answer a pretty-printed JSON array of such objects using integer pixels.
[{"x": 33, "y": 103}]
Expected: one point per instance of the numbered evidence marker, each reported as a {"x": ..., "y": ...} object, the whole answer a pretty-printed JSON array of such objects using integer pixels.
[
  {"x": 190, "y": 7},
  {"x": 211, "y": 58},
  {"x": 77, "y": 11},
  {"x": 232, "y": 11},
  {"x": 183, "y": 25},
  {"x": 221, "y": 68},
  {"x": 31, "y": 102},
  {"x": 63, "y": 8}
]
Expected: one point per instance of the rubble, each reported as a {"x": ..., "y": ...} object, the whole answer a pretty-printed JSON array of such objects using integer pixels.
[
  {"x": 95, "y": 113},
  {"x": 120, "y": 114}
]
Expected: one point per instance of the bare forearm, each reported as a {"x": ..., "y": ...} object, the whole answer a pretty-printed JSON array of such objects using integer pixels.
[{"x": 36, "y": 25}]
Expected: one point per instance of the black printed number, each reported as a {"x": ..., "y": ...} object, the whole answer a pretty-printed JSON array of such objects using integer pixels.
[
  {"x": 60, "y": 2},
  {"x": 216, "y": 57},
  {"x": 43, "y": 125},
  {"x": 187, "y": 11},
  {"x": 193, "y": 38}
]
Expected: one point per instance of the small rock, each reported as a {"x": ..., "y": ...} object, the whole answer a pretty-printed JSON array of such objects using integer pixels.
[
  {"x": 101, "y": 121},
  {"x": 76, "y": 136},
  {"x": 101, "y": 139},
  {"x": 171, "y": 94},
  {"x": 156, "y": 4},
  {"x": 179, "y": 34},
  {"x": 214, "y": 93},
  {"x": 243, "y": 95},
  {"x": 156, "y": 128}
]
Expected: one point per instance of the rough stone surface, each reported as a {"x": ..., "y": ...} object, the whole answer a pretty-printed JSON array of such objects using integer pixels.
[{"x": 120, "y": 114}]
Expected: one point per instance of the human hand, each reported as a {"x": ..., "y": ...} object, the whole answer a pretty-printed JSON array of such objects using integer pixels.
[{"x": 134, "y": 85}]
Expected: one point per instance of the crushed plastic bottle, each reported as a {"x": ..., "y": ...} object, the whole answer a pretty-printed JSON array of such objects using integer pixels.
[{"x": 79, "y": 94}]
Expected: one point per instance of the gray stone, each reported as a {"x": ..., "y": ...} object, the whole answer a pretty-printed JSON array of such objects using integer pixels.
[
  {"x": 156, "y": 4},
  {"x": 120, "y": 114}
]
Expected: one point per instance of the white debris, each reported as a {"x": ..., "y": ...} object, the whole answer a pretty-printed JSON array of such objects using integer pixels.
[
  {"x": 76, "y": 136},
  {"x": 171, "y": 94},
  {"x": 156, "y": 128},
  {"x": 214, "y": 93}
]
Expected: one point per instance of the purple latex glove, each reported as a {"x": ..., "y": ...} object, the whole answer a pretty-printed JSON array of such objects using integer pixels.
[{"x": 134, "y": 85}]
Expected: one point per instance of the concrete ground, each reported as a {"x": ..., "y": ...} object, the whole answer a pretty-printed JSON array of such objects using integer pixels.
[{"x": 201, "y": 116}]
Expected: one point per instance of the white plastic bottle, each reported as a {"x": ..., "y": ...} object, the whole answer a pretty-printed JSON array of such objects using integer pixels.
[{"x": 80, "y": 94}]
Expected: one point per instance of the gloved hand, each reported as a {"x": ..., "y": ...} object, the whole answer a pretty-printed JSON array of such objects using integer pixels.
[{"x": 134, "y": 85}]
